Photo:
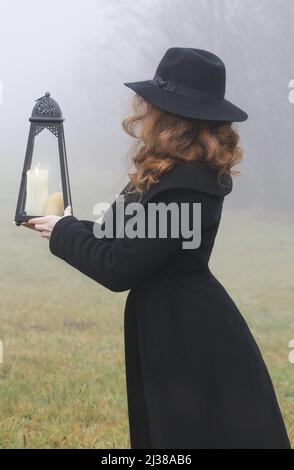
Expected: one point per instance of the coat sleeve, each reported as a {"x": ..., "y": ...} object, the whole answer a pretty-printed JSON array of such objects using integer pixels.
[
  {"x": 118, "y": 265},
  {"x": 88, "y": 224}
]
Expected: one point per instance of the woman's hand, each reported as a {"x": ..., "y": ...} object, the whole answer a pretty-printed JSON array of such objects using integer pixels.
[{"x": 45, "y": 225}]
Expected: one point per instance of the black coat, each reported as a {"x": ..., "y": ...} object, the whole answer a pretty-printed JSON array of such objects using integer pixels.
[{"x": 195, "y": 376}]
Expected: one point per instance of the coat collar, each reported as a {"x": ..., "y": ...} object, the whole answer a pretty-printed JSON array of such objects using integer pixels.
[{"x": 198, "y": 177}]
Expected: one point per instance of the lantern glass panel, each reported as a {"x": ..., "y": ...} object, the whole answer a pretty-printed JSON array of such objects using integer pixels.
[{"x": 44, "y": 194}]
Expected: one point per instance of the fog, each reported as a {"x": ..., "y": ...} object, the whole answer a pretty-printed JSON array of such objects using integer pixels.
[
  {"x": 83, "y": 51},
  {"x": 62, "y": 377}
]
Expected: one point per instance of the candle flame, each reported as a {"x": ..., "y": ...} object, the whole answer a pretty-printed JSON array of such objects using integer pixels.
[{"x": 35, "y": 169}]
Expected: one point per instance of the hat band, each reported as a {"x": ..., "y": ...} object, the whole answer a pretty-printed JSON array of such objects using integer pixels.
[{"x": 184, "y": 90}]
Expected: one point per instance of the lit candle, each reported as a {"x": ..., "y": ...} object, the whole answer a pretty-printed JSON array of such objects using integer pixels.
[
  {"x": 37, "y": 191},
  {"x": 54, "y": 204}
]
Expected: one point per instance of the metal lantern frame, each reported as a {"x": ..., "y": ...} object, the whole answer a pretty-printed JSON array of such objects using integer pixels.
[{"x": 46, "y": 114}]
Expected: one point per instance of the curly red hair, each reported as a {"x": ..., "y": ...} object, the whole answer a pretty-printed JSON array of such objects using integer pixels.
[{"x": 164, "y": 139}]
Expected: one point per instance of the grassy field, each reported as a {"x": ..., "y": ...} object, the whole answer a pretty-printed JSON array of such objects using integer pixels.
[{"x": 62, "y": 383}]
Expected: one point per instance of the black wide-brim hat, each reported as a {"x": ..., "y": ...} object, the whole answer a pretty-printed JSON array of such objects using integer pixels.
[{"x": 191, "y": 83}]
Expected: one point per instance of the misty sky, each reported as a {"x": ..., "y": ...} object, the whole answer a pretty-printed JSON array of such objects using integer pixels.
[{"x": 83, "y": 51}]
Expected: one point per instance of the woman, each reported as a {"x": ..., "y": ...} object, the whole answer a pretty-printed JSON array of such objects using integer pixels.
[{"x": 195, "y": 376}]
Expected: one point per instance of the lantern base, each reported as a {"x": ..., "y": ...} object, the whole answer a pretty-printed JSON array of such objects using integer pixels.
[{"x": 24, "y": 218}]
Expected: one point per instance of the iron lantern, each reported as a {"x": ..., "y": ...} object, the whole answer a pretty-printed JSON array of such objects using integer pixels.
[{"x": 44, "y": 188}]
